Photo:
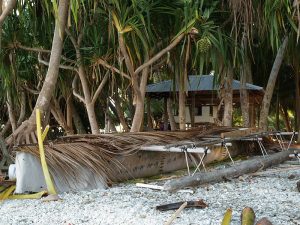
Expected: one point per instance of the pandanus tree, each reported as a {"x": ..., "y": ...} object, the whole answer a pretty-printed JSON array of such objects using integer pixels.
[
  {"x": 129, "y": 22},
  {"x": 17, "y": 68},
  {"x": 5, "y": 11},
  {"x": 279, "y": 23},
  {"x": 243, "y": 18},
  {"x": 23, "y": 132},
  {"x": 293, "y": 58}
]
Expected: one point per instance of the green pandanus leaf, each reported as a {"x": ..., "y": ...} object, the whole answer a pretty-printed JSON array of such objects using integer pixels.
[
  {"x": 227, "y": 217},
  {"x": 248, "y": 216}
]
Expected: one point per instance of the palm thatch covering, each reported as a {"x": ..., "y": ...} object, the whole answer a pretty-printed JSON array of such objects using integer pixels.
[{"x": 69, "y": 155}]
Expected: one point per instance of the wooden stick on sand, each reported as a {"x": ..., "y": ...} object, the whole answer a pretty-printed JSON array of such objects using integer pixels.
[{"x": 173, "y": 217}]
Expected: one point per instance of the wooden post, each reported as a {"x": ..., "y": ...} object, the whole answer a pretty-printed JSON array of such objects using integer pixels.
[
  {"x": 149, "y": 119},
  {"x": 182, "y": 116},
  {"x": 192, "y": 110},
  {"x": 228, "y": 102},
  {"x": 277, "y": 108},
  {"x": 252, "y": 115},
  {"x": 165, "y": 113},
  {"x": 170, "y": 114}
]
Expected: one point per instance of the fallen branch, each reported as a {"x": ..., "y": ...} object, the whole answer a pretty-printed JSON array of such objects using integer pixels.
[
  {"x": 190, "y": 204},
  {"x": 248, "y": 166},
  {"x": 274, "y": 171},
  {"x": 173, "y": 217}
]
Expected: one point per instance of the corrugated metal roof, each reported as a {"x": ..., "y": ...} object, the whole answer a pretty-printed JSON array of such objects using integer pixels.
[{"x": 197, "y": 83}]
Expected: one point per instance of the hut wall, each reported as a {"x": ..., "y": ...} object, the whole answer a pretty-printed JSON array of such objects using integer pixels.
[{"x": 206, "y": 116}]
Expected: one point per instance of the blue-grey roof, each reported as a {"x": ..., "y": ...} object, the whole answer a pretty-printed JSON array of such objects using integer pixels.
[{"x": 197, "y": 83}]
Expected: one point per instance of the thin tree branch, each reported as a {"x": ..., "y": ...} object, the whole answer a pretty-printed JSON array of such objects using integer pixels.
[
  {"x": 72, "y": 38},
  {"x": 159, "y": 64},
  {"x": 10, "y": 110},
  {"x": 31, "y": 49},
  {"x": 5, "y": 128},
  {"x": 75, "y": 93},
  {"x": 32, "y": 91},
  {"x": 60, "y": 66},
  {"x": 57, "y": 113},
  {"x": 80, "y": 37},
  {"x": 112, "y": 68},
  {"x": 129, "y": 65},
  {"x": 22, "y": 108},
  {"x": 160, "y": 54},
  {"x": 1, "y": 4},
  {"x": 9, "y": 8},
  {"x": 100, "y": 87},
  {"x": 40, "y": 50}
]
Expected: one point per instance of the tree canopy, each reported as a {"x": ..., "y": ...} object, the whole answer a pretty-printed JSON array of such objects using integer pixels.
[{"x": 86, "y": 63}]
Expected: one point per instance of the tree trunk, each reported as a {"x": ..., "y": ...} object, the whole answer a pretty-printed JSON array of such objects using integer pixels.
[
  {"x": 120, "y": 113},
  {"x": 90, "y": 108},
  {"x": 69, "y": 103},
  {"x": 3, "y": 14},
  {"x": 227, "y": 118},
  {"x": 80, "y": 129},
  {"x": 106, "y": 122},
  {"x": 277, "y": 113},
  {"x": 252, "y": 114},
  {"x": 244, "y": 96},
  {"x": 1, "y": 5},
  {"x": 8, "y": 9},
  {"x": 89, "y": 105},
  {"x": 263, "y": 123},
  {"x": 59, "y": 116},
  {"x": 149, "y": 118},
  {"x": 87, "y": 99},
  {"x": 182, "y": 116},
  {"x": 44, "y": 98},
  {"x": 171, "y": 115},
  {"x": 5, "y": 128},
  {"x": 245, "y": 73},
  {"x": 166, "y": 121},
  {"x": 111, "y": 125},
  {"x": 131, "y": 107},
  {"x": 138, "y": 115},
  {"x": 182, "y": 87},
  {"x": 285, "y": 117},
  {"x": 140, "y": 88},
  {"x": 22, "y": 108},
  {"x": 10, "y": 110},
  {"x": 247, "y": 166},
  {"x": 138, "y": 119}
]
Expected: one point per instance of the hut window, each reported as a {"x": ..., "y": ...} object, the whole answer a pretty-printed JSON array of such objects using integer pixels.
[
  {"x": 211, "y": 110},
  {"x": 198, "y": 111}
]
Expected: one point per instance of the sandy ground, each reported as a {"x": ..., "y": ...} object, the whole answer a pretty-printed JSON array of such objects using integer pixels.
[{"x": 273, "y": 195}]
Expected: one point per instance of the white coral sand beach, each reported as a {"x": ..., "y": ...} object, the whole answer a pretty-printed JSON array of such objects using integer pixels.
[{"x": 271, "y": 194}]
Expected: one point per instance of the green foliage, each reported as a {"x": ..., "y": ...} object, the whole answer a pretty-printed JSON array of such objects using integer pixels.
[{"x": 213, "y": 33}]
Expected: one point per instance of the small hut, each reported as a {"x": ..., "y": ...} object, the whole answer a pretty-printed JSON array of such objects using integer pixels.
[{"x": 203, "y": 102}]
